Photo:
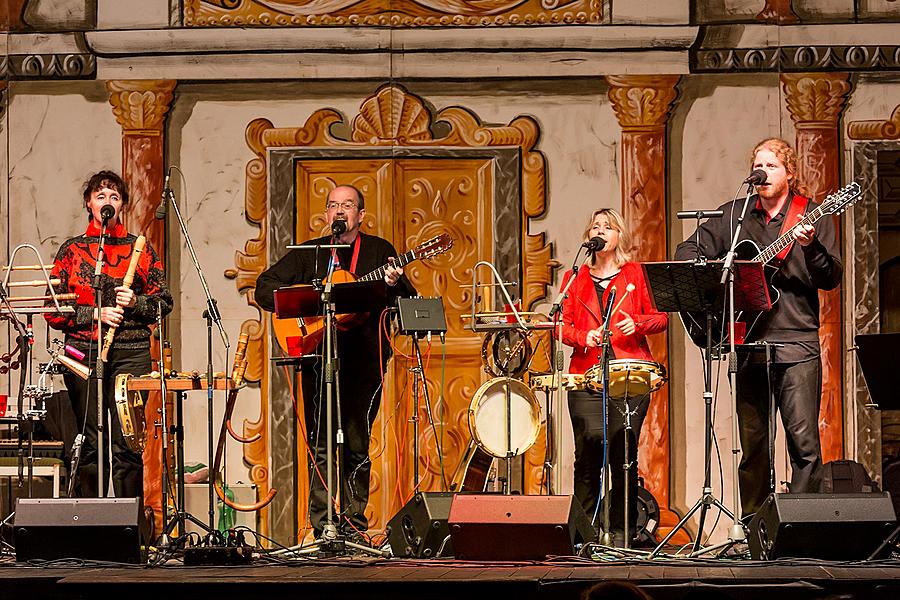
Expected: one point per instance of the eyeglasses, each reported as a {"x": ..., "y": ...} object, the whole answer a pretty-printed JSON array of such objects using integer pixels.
[{"x": 345, "y": 205}]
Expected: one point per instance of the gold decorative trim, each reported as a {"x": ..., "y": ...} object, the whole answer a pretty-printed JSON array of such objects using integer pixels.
[
  {"x": 140, "y": 106},
  {"x": 391, "y": 13},
  {"x": 815, "y": 100},
  {"x": 876, "y": 130},
  {"x": 391, "y": 116},
  {"x": 642, "y": 102}
]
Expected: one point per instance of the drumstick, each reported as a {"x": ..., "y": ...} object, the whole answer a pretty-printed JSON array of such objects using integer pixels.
[{"x": 628, "y": 289}]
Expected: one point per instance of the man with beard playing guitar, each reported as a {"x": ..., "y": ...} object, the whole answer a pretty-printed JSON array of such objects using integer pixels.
[
  {"x": 812, "y": 263},
  {"x": 357, "y": 346}
]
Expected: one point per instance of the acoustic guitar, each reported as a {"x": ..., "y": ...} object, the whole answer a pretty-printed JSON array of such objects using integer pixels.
[
  {"x": 309, "y": 330},
  {"x": 695, "y": 322}
]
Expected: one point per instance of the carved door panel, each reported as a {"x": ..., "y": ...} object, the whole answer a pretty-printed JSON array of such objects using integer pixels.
[
  {"x": 410, "y": 200},
  {"x": 432, "y": 196}
]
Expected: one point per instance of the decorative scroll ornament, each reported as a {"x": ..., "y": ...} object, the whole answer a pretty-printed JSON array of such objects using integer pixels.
[
  {"x": 405, "y": 13},
  {"x": 48, "y": 66},
  {"x": 876, "y": 130},
  {"x": 797, "y": 58}
]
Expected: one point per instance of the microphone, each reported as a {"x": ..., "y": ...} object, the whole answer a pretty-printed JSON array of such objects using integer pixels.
[
  {"x": 700, "y": 214},
  {"x": 338, "y": 227},
  {"x": 107, "y": 213},
  {"x": 163, "y": 203},
  {"x": 757, "y": 177},
  {"x": 595, "y": 244}
]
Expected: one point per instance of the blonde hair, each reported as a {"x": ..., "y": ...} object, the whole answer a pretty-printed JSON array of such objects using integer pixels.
[
  {"x": 781, "y": 149},
  {"x": 623, "y": 248}
]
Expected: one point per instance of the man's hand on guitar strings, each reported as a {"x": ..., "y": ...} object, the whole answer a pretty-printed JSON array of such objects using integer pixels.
[
  {"x": 804, "y": 234},
  {"x": 392, "y": 273}
]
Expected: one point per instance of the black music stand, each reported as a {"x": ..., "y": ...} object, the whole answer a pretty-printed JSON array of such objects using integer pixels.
[
  {"x": 877, "y": 361},
  {"x": 681, "y": 286},
  {"x": 303, "y": 301}
]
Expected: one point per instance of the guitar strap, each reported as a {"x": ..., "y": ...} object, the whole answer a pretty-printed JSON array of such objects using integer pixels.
[
  {"x": 353, "y": 261},
  {"x": 792, "y": 217}
]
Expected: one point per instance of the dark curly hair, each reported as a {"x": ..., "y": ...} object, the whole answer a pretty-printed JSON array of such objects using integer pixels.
[{"x": 105, "y": 179}]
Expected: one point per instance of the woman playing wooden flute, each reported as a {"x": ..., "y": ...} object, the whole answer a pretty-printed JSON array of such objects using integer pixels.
[{"x": 129, "y": 310}]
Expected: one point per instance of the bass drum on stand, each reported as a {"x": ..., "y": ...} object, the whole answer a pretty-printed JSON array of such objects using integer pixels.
[{"x": 489, "y": 420}]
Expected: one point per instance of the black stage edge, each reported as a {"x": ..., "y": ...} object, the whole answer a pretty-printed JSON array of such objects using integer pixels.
[{"x": 396, "y": 579}]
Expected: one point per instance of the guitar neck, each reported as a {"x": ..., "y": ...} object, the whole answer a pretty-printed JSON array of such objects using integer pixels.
[
  {"x": 400, "y": 261},
  {"x": 785, "y": 240}
]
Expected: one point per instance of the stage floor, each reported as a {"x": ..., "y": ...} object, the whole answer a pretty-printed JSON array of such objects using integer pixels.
[{"x": 565, "y": 577}]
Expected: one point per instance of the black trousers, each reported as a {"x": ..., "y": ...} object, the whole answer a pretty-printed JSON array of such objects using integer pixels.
[
  {"x": 360, "y": 398},
  {"x": 797, "y": 390},
  {"x": 585, "y": 409},
  {"x": 127, "y": 466}
]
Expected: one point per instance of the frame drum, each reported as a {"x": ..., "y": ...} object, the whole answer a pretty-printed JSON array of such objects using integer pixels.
[
  {"x": 489, "y": 419},
  {"x": 130, "y": 408},
  {"x": 628, "y": 377}
]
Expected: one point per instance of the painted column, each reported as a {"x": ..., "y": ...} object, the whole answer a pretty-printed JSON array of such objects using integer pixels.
[
  {"x": 642, "y": 104},
  {"x": 140, "y": 107},
  {"x": 815, "y": 102}
]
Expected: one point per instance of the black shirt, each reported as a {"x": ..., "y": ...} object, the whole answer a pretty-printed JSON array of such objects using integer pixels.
[
  {"x": 794, "y": 319},
  {"x": 358, "y": 345}
]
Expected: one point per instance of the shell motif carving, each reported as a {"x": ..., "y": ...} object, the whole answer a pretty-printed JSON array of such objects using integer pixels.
[{"x": 392, "y": 116}]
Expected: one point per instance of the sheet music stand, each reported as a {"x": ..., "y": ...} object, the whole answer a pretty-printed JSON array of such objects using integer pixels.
[
  {"x": 700, "y": 288},
  {"x": 303, "y": 301},
  {"x": 681, "y": 286},
  {"x": 877, "y": 361}
]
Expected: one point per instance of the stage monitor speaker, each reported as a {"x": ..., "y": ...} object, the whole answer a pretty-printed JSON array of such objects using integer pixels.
[
  {"x": 499, "y": 527},
  {"x": 104, "y": 529},
  {"x": 419, "y": 528},
  {"x": 825, "y": 526}
]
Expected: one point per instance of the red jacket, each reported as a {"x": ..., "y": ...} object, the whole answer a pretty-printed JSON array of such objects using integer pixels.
[{"x": 582, "y": 313}]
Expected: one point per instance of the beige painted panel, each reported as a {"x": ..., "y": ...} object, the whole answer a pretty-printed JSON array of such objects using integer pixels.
[
  {"x": 132, "y": 14},
  {"x": 648, "y": 12},
  {"x": 878, "y": 9}
]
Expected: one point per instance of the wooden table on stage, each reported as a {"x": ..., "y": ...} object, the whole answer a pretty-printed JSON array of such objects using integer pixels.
[{"x": 177, "y": 384}]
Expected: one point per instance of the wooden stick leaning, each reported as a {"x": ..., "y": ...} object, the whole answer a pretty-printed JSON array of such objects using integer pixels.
[
  {"x": 126, "y": 282},
  {"x": 237, "y": 377}
]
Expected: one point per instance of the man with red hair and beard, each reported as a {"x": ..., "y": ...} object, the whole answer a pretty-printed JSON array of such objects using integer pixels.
[{"x": 813, "y": 263}]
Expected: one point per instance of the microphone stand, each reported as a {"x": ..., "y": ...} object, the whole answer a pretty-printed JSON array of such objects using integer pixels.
[
  {"x": 737, "y": 533},
  {"x": 24, "y": 340},
  {"x": 606, "y": 346},
  {"x": 98, "y": 361},
  {"x": 211, "y": 314},
  {"x": 553, "y": 424}
]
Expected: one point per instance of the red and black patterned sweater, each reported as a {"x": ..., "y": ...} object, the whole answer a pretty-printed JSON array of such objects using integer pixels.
[{"x": 74, "y": 267}]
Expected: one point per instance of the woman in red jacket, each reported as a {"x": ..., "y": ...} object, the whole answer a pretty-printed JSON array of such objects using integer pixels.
[{"x": 583, "y": 308}]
